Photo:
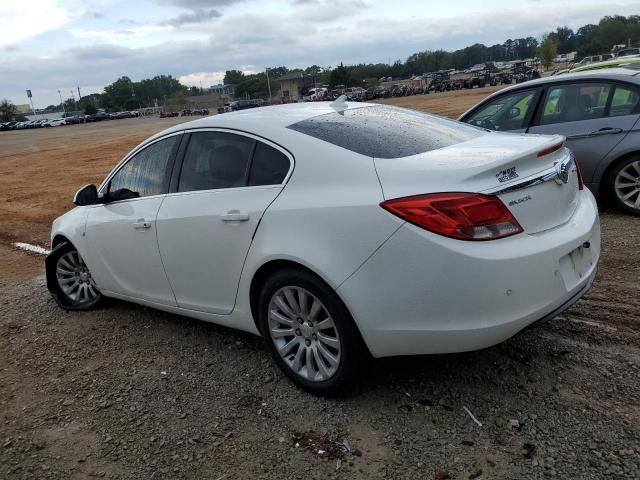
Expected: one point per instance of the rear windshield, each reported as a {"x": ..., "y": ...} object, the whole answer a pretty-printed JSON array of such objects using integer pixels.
[{"x": 386, "y": 132}]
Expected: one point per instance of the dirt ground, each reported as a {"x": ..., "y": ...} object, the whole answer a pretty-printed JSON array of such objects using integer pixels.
[{"x": 127, "y": 392}]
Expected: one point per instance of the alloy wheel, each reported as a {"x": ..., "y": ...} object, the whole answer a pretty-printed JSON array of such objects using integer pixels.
[
  {"x": 627, "y": 185},
  {"x": 74, "y": 278},
  {"x": 304, "y": 333}
]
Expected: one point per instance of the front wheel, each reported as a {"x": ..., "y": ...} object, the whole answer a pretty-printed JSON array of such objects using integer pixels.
[
  {"x": 309, "y": 332},
  {"x": 624, "y": 183},
  {"x": 69, "y": 279}
]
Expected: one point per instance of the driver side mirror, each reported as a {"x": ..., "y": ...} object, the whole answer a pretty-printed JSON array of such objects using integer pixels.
[
  {"x": 514, "y": 112},
  {"x": 87, "y": 195}
]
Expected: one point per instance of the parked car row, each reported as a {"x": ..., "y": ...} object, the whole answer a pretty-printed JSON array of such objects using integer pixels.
[
  {"x": 187, "y": 112},
  {"x": 40, "y": 123},
  {"x": 70, "y": 120}
]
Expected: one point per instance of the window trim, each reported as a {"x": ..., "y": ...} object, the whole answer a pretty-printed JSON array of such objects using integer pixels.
[
  {"x": 175, "y": 177},
  {"x": 168, "y": 171},
  {"x": 607, "y": 107}
]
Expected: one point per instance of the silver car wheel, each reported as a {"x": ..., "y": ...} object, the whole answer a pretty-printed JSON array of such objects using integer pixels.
[
  {"x": 304, "y": 333},
  {"x": 627, "y": 185},
  {"x": 74, "y": 278}
]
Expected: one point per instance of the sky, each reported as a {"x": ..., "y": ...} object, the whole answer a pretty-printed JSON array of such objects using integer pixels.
[{"x": 58, "y": 45}]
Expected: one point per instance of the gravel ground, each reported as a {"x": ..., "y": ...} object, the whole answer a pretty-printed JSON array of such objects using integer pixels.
[{"x": 127, "y": 392}]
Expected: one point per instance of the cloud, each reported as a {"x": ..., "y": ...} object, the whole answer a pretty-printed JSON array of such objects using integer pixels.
[
  {"x": 98, "y": 52},
  {"x": 196, "y": 16},
  {"x": 206, "y": 79},
  {"x": 328, "y": 10},
  {"x": 120, "y": 35},
  {"x": 19, "y": 20},
  {"x": 94, "y": 14},
  {"x": 196, "y": 4}
]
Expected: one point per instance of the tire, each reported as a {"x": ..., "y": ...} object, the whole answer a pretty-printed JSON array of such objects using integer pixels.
[
  {"x": 321, "y": 344},
  {"x": 623, "y": 183},
  {"x": 69, "y": 279}
]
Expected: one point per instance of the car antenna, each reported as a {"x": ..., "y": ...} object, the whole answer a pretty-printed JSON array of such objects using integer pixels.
[{"x": 339, "y": 104}]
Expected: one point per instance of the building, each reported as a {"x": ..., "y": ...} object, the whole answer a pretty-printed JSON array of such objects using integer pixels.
[
  {"x": 24, "y": 108},
  {"x": 292, "y": 85},
  {"x": 223, "y": 90}
]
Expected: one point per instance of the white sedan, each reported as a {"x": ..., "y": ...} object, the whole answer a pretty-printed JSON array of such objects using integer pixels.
[
  {"x": 58, "y": 122},
  {"x": 336, "y": 231}
]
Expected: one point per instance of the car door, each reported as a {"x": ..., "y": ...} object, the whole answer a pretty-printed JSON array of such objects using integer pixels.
[
  {"x": 205, "y": 227},
  {"x": 509, "y": 112},
  {"x": 121, "y": 235},
  {"x": 594, "y": 116}
]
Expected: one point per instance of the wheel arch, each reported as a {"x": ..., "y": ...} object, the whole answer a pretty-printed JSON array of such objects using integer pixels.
[
  {"x": 58, "y": 239},
  {"x": 269, "y": 268},
  {"x": 58, "y": 244},
  {"x": 604, "y": 190},
  {"x": 264, "y": 272}
]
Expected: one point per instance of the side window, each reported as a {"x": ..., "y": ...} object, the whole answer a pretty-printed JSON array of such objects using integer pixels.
[
  {"x": 215, "y": 160},
  {"x": 625, "y": 101},
  {"x": 269, "y": 166},
  {"x": 574, "y": 103},
  {"x": 146, "y": 171},
  {"x": 505, "y": 113}
]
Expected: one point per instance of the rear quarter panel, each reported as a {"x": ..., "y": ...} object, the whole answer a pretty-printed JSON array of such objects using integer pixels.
[{"x": 327, "y": 218}]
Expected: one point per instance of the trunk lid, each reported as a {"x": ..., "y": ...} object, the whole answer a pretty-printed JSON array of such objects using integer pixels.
[{"x": 532, "y": 187}]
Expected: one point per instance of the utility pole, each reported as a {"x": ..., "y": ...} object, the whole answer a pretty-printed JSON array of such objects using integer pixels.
[
  {"x": 31, "y": 102},
  {"x": 73, "y": 97},
  {"x": 268, "y": 83},
  {"x": 79, "y": 96},
  {"x": 133, "y": 95},
  {"x": 64, "y": 111}
]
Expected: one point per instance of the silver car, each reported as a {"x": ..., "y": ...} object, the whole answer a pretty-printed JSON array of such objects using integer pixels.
[{"x": 597, "y": 111}]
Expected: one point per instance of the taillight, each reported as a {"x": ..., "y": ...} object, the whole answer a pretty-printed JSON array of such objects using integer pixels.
[
  {"x": 579, "y": 173},
  {"x": 465, "y": 216},
  {"x": 551, "y": 149}
]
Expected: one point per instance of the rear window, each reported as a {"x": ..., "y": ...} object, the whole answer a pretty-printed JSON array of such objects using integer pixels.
[
  {"x": 269, "y": 166},
  {"x": 386, "y": 132}
]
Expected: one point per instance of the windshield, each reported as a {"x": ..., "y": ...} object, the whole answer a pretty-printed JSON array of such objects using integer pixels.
[{"x": 504, "y": 113}]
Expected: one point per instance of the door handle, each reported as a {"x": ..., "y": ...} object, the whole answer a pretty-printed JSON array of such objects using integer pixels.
[
  {"x": 607, "y": 131},
  {"x": 234, "y": 216},
  {"x": 141, "y": 224},
  {"x": 596, "y": 133}
]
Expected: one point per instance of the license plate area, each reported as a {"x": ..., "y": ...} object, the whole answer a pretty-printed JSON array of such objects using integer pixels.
[{"x": 576, "y": 265}]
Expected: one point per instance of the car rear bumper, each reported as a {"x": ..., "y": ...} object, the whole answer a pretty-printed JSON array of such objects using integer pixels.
[{"x": 421, "y": 293}]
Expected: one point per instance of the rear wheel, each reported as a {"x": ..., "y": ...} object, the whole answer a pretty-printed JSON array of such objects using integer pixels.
[
  {"x": 624, "y": 182},
  {"x": 308, "y": 331},
  {"x": 69, "y": 279}
]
